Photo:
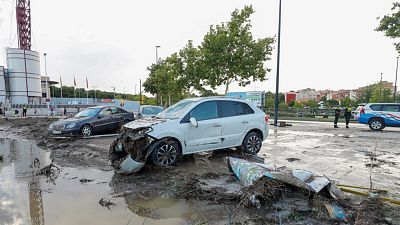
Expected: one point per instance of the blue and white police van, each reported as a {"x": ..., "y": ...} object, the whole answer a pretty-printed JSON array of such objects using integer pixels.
[{"x": 380, "y": 115}]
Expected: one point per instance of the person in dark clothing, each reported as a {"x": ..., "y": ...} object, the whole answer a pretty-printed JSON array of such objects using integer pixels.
[
  {"x": 65, "y": 111},
  {"x": 347, "y": 115},
  {"x": 24, "y": 109},
  {"x": 337, "y": 114}
]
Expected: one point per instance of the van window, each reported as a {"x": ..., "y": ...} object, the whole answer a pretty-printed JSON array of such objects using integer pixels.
[
  {"x": 205, "y": 111},
  {"x": 376, "y": 107},
  {"x": 391, "y": 108}
]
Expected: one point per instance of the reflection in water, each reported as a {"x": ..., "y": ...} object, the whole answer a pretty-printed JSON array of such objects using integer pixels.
[{"x": 22, "y": 160}]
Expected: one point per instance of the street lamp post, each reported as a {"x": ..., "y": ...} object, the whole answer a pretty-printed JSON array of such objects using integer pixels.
[
  {"x": 95, "y": 99},
  {"x": 47, "y": 78},
  {"x": 277, "y": 68},
  {"x": 380, "y": 88},
  {"x": 157, "y": 46},
  {"x": 395, "y": 81}
]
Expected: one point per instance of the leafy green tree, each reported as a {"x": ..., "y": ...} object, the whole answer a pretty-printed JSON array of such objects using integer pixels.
[
  {"x": 230, "y": 53},
  {"x": 346, "y": 102},
  {"x": 292, "y": 103},
  {"x": 269, "y": 102},
  {"x": 283, "y": 106},
  {"x": 298, "y": 105},
  {"x": 312, "y": 104},
  {"x": 390, "y": 24}
]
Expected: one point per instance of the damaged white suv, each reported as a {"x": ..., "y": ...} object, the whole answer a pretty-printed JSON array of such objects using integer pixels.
[{"x": 190, "y": 126}]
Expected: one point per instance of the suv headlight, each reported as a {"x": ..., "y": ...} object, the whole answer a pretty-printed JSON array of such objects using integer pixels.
[{"x": 70, "y": 125}]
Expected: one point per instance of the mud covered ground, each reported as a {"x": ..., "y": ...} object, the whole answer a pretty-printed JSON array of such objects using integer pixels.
[{"x": 348, "y": 156}]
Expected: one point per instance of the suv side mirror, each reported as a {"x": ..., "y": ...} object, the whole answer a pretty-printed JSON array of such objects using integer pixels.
[
  {"x": 193, "y": 121},
  {"x": 100, "y": 116}
]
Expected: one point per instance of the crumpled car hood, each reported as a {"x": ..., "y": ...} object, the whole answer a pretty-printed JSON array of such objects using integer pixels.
[{"x": 144, "y": 122}]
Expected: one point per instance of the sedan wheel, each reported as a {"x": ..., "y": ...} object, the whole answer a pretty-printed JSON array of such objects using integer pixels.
[
  {"x": 252, "y": 143},
  {"x": 86, "y": 131},
  {"x": 165, "y": 154}
]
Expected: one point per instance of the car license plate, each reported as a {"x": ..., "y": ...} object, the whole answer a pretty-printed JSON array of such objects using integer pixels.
[{"x": 56, "y": 132}]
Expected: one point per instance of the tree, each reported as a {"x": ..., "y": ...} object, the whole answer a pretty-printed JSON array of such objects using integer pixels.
[
  {"x": 229, "y": 53},
  {"x": 192, "y": 70},
  {"x": 312, "y": 104},
  {"x": 269, "y": 102},
  {"x": 346, "y": 102},
  {"x": 283, "y": 106},
  {"x": 292, "y": 103},
  {"x": 390, "y": 24},
  {"x": 298, "y": 105},
  {"x": 365, "y": 94}
]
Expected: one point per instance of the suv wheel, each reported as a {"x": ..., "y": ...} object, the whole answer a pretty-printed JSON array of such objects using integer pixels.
[
  {"x": 252, "y": 143},
  {"x": 376, "y": 124},
  {"x": 165, "y": 153},
  {"x": 86, "y": 130}
]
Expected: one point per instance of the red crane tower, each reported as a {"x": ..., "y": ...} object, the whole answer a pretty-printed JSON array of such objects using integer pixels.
[{"x": 23, "y": 13}]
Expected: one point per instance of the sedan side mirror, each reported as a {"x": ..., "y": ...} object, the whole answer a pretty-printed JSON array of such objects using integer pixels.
[
  {"x": 193, "y": 121},
  {"x": 100, "y": 116}
]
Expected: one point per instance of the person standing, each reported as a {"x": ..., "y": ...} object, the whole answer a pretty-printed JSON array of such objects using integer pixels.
[
  {"x": 337, "y": 114},
  {"x": 65, "y": 111},
  {"x": 24, "y": 109},
  {"x": 347, "y": 115}
]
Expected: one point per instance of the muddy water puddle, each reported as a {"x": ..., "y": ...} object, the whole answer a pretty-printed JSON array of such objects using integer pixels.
[{"x": 71, "y": 195}]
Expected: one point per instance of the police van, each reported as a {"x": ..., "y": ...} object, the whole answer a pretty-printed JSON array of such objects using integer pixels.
[{"x": 380, "y": 115}]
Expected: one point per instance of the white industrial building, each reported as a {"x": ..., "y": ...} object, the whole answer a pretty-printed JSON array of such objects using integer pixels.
[{"x": 20, "y": 80}]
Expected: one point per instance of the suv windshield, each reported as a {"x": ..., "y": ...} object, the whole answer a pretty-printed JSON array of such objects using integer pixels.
[
  {"x": 176, "y": 110},
  {"x": 90, "y": 112}
]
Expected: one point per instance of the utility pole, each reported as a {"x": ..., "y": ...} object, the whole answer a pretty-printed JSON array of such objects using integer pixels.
[
  {"x": 140, "y": 91},
  {"x": 395, "y": 81},
  {"x": 277, "y": 68},
  {"x": 380, "y": 89}
]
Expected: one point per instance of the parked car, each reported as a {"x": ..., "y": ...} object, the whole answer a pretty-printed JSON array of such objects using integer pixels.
[
  {"x": 380, "y": 115},
  {"x": 149, "y": 111},
  {"x": 191, "y": 126},
  {"x": 92, "y": 120}
]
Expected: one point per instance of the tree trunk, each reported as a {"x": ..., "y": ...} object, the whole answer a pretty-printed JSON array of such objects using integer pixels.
[
  {"x": 226, "y": 87},
  {"x": 169, "y": 99},
  {"x": 161, "y": 100}
]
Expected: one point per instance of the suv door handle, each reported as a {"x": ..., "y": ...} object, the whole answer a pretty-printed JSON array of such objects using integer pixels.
[
  {"x": 216, "y": 125},
  {"x": 244, "y": 121}
]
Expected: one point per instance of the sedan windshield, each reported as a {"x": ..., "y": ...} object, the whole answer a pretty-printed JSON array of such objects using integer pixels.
[
  {"x": 176, "y": 110},
  {"x": 90, "y": 112}
]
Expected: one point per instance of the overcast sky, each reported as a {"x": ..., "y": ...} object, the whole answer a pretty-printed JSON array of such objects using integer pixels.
[{"x": 324, "y": 44}]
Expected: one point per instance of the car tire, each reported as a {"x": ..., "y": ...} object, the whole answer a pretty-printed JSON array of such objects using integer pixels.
[
  {"x": 376, "y": 124},
  {"x": 252, "y": 143},
  {"x": 165, "y": 153},
  {"x": 86, "y": 130}
]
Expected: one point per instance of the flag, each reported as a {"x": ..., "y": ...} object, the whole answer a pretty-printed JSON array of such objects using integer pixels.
[
  {"x": 60, "y": 82},
  {"x": 87, "y": 83},
  {"x": 74, "y": 82}
]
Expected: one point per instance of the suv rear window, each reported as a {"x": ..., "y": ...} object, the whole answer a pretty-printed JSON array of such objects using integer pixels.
[
  {"x": 391, "y": 108},
  {"x": 376, "y": 107},
  {"x": 233, "y": 108}
]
